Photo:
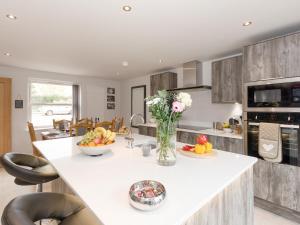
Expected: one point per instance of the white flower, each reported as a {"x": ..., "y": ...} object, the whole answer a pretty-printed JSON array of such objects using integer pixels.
[
  {"x": 153, "y": 101},
  {"x": 185, "y": 98}
]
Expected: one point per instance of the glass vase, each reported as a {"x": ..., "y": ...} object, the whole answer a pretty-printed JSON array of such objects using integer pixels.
[{"x": 166, "y": 143}]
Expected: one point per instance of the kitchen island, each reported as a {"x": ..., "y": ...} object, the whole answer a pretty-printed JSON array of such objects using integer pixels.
[{"x": 211, "y": 191}]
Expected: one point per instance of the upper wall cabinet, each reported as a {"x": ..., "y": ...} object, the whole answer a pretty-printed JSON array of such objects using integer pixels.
[
  {"x": 163, "y": 81},
  {"x": 276, "y": 58},
  {"x": 227, "y": 80}
]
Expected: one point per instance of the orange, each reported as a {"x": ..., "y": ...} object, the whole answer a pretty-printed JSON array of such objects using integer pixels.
[{"x": 92, "y": 144}]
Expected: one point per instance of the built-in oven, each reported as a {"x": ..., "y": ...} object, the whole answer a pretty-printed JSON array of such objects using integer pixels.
[
  {"x": 273, "y": 95},
  {"x": 290, "y": 134}
]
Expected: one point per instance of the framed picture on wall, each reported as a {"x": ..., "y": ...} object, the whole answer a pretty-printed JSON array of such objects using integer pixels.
[
  {"x": 111, "y": 91},
  {"x": 110, "y": 105},
  {"x": 110, "y": 98}
]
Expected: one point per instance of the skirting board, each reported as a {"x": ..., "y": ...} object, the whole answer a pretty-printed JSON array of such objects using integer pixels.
[{"x": 278, "y": 210}]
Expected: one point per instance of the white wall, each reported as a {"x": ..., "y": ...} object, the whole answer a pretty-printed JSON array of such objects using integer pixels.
[
  {"x": 93, "y": 99},
  {"x": 202, "y": 112}
]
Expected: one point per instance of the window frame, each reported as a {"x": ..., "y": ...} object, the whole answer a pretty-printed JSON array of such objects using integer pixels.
[{"x": 43, "y": 81}]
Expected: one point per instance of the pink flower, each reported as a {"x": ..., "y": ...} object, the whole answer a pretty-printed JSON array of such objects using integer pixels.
[{"x": 177, "y": 107}]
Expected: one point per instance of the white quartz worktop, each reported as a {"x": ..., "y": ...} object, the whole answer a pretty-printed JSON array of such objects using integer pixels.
[
  {"x": 208, "y": 131},
  {"x": 103, "y": 182}
]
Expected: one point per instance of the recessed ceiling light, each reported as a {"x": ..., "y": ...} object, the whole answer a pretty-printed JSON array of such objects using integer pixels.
[
  {"x": 11, "y": 16},
  {"x": 127, "y": 8},
  {"x": 160, "y": 61},
  {"x": 7, "y": 54},
  {"x": 125, "y": 63},
  {"x": 247, "y": 23}
]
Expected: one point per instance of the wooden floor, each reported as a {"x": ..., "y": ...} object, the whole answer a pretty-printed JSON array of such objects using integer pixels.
[{"x": 8, "y": 190}]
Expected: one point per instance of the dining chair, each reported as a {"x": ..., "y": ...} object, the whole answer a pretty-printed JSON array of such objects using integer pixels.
[
  {"x": 80, "y": 129},
  {"x": 118, "y": 124},
  {"x": 33, "y": 138},
  {"x": 61, "y": 124},
  {"x": 85, "y": 121}
]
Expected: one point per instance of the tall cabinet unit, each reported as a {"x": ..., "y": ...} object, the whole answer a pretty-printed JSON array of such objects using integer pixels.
[
  {"x": 274, "y": 58},
  {"x": 227, "y": 80},
  {"x": 162, "y": 81},
  {"x": 276, "y": 186}
]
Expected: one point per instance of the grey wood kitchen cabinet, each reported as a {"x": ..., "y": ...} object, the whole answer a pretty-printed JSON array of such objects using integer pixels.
[
  {"x": 148, "y": 131},
  {"x": 162, "y": 81},
  {"x": 227, "y": 80},
  {"x": 271, "y": 59},
  {"x": 278, "y": 184},
  {"x": 221, "y": 143}
]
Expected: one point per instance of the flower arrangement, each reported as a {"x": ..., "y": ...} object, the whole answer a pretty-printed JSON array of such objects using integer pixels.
[{"x": 167, "y": 109}]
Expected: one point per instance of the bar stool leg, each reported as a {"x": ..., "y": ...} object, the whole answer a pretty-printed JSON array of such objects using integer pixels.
[{"x": 39, "y": 188}]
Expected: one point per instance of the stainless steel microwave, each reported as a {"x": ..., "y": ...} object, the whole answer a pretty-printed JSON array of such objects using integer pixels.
[{"x": 273, "y": 95}]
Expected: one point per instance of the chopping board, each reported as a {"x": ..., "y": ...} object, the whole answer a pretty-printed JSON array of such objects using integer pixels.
[{"x": 200, "y": 156}]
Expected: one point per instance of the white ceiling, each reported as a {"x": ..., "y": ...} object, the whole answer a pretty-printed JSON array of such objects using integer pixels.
[{"x": 94, "y": 37}]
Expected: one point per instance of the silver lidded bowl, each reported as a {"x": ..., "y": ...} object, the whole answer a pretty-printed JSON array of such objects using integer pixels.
[{"x": 147, "y": 195}]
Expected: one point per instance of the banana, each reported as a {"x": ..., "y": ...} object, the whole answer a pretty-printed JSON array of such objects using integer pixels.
[
  {"x": 112, "y": 137},
  {"x": 101, "y": 131}
]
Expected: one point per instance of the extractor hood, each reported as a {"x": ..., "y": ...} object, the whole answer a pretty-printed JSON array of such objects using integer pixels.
[{"x": 192, "y": 77}]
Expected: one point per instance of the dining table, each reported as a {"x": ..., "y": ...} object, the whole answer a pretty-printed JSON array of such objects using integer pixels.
[
  {"x": 216, "y": 190},
  {"x": 54, "y": 134}
]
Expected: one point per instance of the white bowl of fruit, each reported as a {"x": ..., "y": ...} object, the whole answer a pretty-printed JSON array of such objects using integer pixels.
[
  {"x": 203, "y": 148},
  {"x": 97, "y": 142}
]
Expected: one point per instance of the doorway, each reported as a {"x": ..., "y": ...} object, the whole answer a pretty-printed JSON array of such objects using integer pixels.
[{"x": 5, "y": 115}]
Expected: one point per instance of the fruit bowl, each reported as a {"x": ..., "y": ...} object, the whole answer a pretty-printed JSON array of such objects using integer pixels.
[
  {"x": 97, "y": 142},
  {"x": 147, "y": 195},
  {"x": 95, "y": 150}
]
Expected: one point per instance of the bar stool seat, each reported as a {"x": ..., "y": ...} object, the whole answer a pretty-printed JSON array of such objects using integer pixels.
[
  {"x": 28, "y": 169},
  {"x": 28, "y": 209}
]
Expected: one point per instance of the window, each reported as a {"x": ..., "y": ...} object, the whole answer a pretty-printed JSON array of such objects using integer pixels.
[{"x": 50, "y": 101}]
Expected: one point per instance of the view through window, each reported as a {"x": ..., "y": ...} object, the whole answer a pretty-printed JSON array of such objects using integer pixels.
[{"x": 50, "y": 101}]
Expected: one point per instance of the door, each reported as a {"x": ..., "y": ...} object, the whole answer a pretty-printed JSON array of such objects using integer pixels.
[
  {"x": 138, "y": 104},
  {"x": 5, "y": 115}
]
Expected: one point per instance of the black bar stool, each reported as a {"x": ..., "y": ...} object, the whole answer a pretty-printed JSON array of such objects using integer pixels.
[
  {"x": 28, "y": 169},
  {"x": 28, "y": 209}
]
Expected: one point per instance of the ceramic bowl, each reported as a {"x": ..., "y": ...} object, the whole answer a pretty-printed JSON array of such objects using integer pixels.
[
  {"x": 94, "y": 151},
  {"x": 227, "y": 130},
  {"x": 147, "y": 195}
]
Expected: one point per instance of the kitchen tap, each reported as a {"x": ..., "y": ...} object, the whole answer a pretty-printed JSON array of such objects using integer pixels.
[{"x": 129, "y": 137}]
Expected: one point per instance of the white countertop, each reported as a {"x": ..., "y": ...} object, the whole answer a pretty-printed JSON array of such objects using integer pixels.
[
  {"x": 103, "y": 182},
  {"x": 208, "y": 131}
]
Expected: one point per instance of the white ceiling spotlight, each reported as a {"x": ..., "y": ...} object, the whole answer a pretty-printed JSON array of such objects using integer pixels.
[
  {"x": 127, "y": 8},
  {"x": 125, "y": 63},
  {"x": 160, "y": 61},
  {"x": 247, "y": 23},
  {"x": 7, "y": 54},
  {"x": 11, "y": 16}
]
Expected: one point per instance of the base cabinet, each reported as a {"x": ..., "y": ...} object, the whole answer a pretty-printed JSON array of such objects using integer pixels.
[
  {"x": 222, "y": 143},
  {"x": 278, "y": 184},
  {"x": 148, "y": 131}
]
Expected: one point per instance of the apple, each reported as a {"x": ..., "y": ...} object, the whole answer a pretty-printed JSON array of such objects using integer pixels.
[
  {"x": 202, "y": 139},
  {"x": 97, "y": 141}
]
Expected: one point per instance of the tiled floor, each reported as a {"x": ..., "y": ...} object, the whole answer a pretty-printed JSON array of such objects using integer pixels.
[{"x": 8, "y": 190}]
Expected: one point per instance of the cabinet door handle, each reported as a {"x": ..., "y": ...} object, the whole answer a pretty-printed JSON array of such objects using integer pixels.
[{"x": 281, "y": 125}]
